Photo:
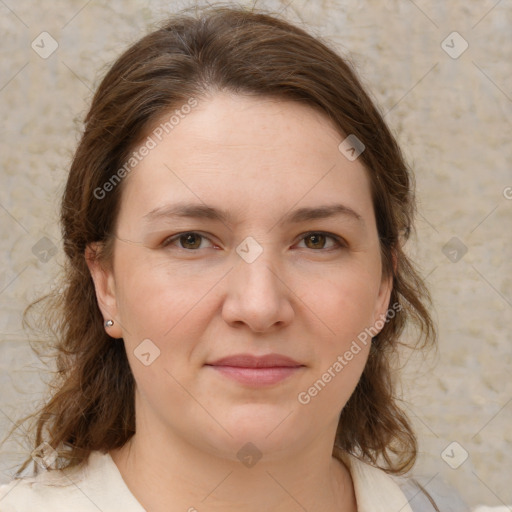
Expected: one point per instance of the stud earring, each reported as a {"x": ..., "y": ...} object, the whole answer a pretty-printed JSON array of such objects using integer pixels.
[{"x": 109, "y": 323}]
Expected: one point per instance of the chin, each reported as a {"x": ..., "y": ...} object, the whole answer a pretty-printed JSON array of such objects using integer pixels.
[{"x": 263, "y": 427}]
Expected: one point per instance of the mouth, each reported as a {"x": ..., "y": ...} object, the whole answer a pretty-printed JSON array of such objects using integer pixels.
[{"x": 256, "y": 371}]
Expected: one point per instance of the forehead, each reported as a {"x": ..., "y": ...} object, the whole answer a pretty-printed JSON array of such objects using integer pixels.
[
  {"x": 252, "y": 153},
  {"x": 238, "y": 123}
]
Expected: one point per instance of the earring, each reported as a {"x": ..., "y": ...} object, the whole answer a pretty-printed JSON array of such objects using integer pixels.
[{"x": 109, "y": 323}]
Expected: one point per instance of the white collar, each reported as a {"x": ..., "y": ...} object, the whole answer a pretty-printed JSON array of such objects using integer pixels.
[
  {"x": 100, "y": 485},
  {"x": 375, "y": 490}
]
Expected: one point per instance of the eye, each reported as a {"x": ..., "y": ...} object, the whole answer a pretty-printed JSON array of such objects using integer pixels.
[
  {"x": 189, "y": 240},
  {"x": 318, "y": 239}
]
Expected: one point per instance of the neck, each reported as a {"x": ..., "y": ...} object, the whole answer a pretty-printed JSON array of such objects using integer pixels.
[{"x": 175, "y": 476}]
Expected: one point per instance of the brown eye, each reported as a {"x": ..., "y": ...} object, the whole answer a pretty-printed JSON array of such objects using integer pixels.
[
  {"x": 190, "y": 239},
  {"x": 187, "y": 241},
  {"x": 317, "y": 240}
]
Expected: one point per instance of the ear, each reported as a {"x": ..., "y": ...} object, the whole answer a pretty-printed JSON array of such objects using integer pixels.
[
  {"x": 104, "y": 285},
  {"x": 384, "y": 295}
]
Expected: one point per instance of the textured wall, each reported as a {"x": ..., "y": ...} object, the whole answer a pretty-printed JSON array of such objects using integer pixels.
[{"x": 450, "y": 107}]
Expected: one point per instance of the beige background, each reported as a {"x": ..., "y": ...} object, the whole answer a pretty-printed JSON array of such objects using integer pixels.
[{"x": 452, "y": 116}]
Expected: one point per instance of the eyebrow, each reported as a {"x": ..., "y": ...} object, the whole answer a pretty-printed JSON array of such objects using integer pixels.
[{"x": 203, "y": 211}]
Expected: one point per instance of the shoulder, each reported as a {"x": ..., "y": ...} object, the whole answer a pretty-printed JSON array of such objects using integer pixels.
[
  {"x": 375, "y": 488},
  {"x": 425, "y": 494},
  {"x": 46, "y": 491},
  {"x": 89, "y": 487}
]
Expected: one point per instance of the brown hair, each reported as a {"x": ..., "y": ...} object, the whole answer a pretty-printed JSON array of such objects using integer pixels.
[{"x": 241, "y": 51}]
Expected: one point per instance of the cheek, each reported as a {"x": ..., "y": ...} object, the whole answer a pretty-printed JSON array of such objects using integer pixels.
[
  {"x": 154, "y": 297},
  {"x": 345, "y": 301},
  {"x": 159, "y": 308},
  {"x": 344, "y": 305},
  {"x": 345, "y": 308}
]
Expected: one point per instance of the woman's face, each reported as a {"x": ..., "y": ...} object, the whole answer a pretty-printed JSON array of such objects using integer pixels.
[{"x": 278, "y": 259}]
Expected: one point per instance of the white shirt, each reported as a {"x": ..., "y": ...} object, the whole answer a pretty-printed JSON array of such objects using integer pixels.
[{"x": 99, "y": 486}]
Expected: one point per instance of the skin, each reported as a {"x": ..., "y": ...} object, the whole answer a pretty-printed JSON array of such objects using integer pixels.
[{"x": 197, "y": 300}]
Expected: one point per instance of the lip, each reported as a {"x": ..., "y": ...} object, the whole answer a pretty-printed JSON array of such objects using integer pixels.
[
  {"x": 256, "y": 370},
  {"x": 251, "y": 361}
]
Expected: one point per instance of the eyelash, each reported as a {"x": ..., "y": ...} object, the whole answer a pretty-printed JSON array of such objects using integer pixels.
[{"x": 341, "y": 244}]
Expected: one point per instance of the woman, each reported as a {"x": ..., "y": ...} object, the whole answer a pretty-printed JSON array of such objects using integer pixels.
[{"x": 233, "y": 220}]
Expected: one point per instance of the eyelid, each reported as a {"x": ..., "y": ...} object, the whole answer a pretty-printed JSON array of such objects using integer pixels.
[
  {"x": 341, "y": 242},
  {"x": 173, "y": 238},
  {"x": 338, "y": 239}
]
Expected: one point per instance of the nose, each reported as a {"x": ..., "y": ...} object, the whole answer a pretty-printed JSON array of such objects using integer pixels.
[{"x": 258, "y": 295}]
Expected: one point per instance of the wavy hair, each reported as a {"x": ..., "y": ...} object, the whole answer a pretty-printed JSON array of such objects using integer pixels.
[{"x": 220, "y": 48}]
